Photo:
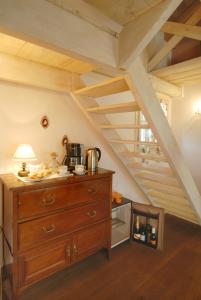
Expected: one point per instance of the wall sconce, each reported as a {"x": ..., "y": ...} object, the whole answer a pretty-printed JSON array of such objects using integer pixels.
[{"x": 197, "y": 108}]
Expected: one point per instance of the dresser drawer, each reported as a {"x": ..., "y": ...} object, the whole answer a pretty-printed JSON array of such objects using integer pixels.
[
  {"x": 46, "y": 228},
  {"x": 38, "y": 202},
  {"x": 43, "y": 261}
]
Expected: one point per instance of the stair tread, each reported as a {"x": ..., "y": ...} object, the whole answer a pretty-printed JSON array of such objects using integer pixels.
[
  {"x": 179, "y": 208},
  {"x": 143, "y": 156},
  {"x": 124, "y": 126},
  {"x": 105, "y": 88},
  {"x": 115, "y": 108},
  {"x": 173, "y": 204},
  {"x": 161, "y": 178},
  {"x": 167, "y": 197},
  {"x": 133, "y": 142},
  {"x": 163, "y": 187},
  {"x": 152, "y": 169}
]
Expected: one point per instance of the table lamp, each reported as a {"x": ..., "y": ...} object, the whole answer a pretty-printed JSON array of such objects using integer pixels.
[{"x": 23, "y": 154}]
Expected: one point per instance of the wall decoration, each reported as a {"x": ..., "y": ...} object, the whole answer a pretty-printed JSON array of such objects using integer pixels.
[{"x": 44, "y": 122}]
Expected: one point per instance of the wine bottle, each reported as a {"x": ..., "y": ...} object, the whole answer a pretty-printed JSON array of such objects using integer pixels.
[
  {"x": 143, "y": 234},
  {"x": 136, "y": 234},
  {"x": 153, "y": 237},
  {"x": 149, "y": 231}
]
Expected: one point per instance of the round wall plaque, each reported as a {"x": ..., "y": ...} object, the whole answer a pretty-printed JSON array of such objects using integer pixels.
[{"x": 44, "y": 122}]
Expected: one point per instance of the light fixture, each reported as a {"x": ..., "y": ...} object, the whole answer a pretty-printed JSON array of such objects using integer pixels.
[
  {"x": 24, "y": 153},
  {"x": 197, "y": 108}
]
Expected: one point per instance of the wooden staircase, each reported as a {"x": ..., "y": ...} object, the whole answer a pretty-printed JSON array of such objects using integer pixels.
[{"x": 144, "y": 159}]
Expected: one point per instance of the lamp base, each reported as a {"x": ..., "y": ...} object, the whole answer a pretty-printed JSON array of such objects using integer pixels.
[{"x": 23, "y": 173}]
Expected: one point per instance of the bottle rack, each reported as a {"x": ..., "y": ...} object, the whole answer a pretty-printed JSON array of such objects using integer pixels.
[{"x": 145, "y": 219}]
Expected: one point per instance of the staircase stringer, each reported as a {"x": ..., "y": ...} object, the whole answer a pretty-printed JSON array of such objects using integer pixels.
[
  {"x": 83, "y": 102},
  {"x": 139, "y": 84}
]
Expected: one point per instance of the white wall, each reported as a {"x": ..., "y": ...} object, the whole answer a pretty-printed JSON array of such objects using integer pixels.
[
  {"x": 21, "y": 109},
  {"x": 187, "y": 129}
]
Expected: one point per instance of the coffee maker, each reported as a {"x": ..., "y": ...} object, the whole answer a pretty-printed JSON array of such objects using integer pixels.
[{"x": 74, "y": 155}]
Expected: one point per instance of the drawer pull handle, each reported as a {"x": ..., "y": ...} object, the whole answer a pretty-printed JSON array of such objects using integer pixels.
[
  {"x": 91, "y": 191},
  {"x": 68, "y": 251},
  {"x": 91, "y": 214},
  {"x": 49, "y": 228},
  {"x": 75, "y": 251},
  {"x": 49, "y": 200}
]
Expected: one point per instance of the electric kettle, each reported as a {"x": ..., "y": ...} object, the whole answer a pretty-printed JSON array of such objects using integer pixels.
[{"x": 92, "y": 158}]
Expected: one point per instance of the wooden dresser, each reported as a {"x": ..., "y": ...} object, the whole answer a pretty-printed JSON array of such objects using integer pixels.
[{"x": 52, "y": 224}]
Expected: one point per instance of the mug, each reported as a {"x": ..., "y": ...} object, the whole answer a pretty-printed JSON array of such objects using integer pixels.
[
  {"x": 63, "y": 170},
  {"x": 79, "y": 169}
]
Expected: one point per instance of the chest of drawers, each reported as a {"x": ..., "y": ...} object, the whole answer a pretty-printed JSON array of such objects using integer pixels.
[{"x": 50, "y": 225}]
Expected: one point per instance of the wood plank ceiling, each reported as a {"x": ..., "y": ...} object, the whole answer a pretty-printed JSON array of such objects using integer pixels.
[
  {"x": 187, "y": 72},
  {"x": 32, "y": 52},
  {"x": 123, "y": 11}
]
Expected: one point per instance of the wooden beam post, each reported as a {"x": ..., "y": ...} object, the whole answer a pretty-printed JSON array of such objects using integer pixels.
[
  {"x": 137, "y": 34},
  {"x": 140, "y": 85}
]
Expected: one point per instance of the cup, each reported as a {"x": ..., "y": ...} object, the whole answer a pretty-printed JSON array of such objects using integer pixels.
[
  {"x": 63, "y": 170},
  {"x": 79, "y": 169}
]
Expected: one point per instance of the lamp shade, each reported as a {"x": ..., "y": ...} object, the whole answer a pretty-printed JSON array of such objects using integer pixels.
[{"x": 24, "y": 152}]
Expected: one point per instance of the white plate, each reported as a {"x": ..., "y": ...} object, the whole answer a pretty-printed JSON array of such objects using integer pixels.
[
  {"x": 28, "y": 179},
  {"x": 80, "y": 173}
]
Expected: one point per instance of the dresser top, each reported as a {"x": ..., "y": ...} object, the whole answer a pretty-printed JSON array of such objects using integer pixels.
[{"x": 15, "y": 184}]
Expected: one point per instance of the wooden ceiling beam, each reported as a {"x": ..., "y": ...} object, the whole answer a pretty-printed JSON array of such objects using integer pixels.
[
  {"x": 137, "y": 34},
  {"x": 90, "y": 14},
  {"x": 47, "y": 25},
  {"x": 21, "y": 71},
  {"x": 184, "y": 30},
  {"x": 174, "y": 41}
]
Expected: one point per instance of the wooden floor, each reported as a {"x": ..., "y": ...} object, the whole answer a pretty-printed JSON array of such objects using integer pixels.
[{"x": 134, "y": 272}]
